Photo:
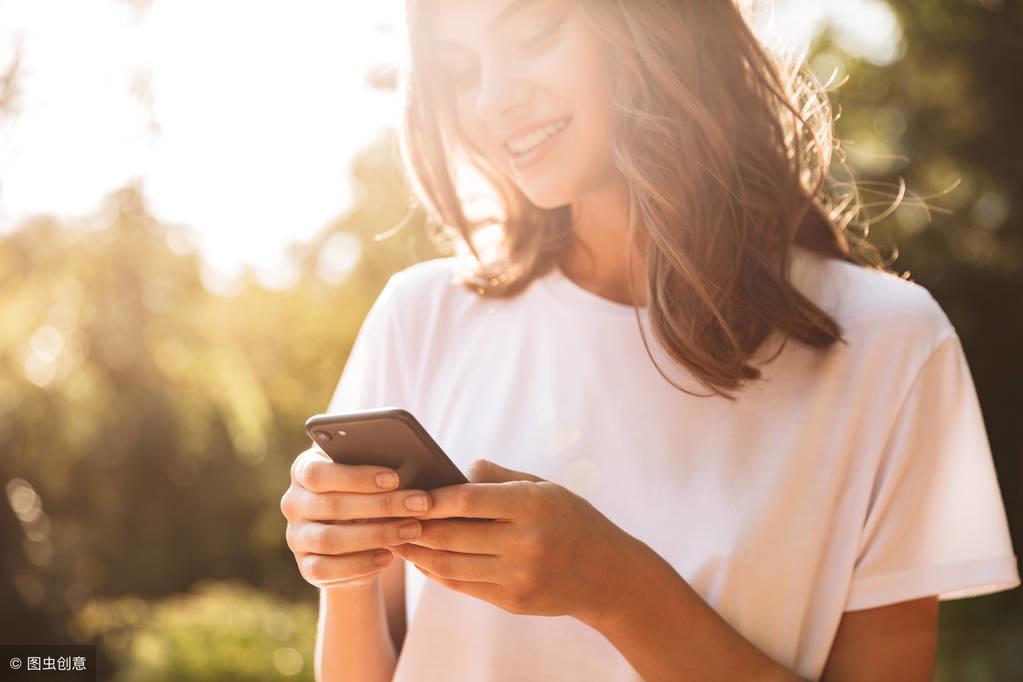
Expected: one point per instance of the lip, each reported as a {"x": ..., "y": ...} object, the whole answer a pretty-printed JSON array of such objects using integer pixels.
[
  {"x": 509, "y": 135},
  {"x": 533, "y": 158}
]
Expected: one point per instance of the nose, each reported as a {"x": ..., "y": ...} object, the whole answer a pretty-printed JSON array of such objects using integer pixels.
[{"x": 501, "y": 90}]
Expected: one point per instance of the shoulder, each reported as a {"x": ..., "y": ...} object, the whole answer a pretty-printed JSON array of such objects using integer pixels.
[
  {"x": 870, "y": 304},
  {"x": 428, "y": 273},
  {"x": 428, "y": 281},
  {"x": 429, "y": 290}
]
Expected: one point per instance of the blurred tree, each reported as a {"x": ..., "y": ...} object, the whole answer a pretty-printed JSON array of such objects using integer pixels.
[
  {"x": 157, "y": 421},
  {"x": 23, "y": 582}
]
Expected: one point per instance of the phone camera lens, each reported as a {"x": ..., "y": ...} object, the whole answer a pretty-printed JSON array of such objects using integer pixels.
[{"x": 322, "y": 436}]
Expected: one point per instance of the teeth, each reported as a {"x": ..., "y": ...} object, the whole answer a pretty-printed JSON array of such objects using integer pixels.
[{"x": 527, "y": 143}]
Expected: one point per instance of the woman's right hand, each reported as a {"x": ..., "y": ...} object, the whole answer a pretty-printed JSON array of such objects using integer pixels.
[{"x": 339, "y": 518}]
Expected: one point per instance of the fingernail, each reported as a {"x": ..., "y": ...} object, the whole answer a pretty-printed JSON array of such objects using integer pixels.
[
  {"x": 387, "y": 479},
  {"x": 415, "y": 502},
  {"x": 382, "y": 558},
  {"x": 408, "y": 530}
]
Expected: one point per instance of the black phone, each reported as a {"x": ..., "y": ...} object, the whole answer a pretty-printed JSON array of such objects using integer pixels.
[{"x": 389, "y": 437}]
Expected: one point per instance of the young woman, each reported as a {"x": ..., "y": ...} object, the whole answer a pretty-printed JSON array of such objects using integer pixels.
[{"x": 718, "y": 439}]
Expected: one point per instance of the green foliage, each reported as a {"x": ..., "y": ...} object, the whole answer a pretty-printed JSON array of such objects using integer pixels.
[
  {"x": 219, "y": 631},
  {"x": 155, "y": 422}
]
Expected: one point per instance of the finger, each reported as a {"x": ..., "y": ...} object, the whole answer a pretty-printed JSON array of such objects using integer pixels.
[
  {"x": 479, "y": 500},
  {"x": 473, "y": 536},
  {"x": 329, "y": 538},
  {"x": 319, "y": 475},
  {"x": 488, "y": 592},
  {"x": 485, "y": 471},
  {"x": 335, "y": 506},
  {"x": 322, "y": 568},
  {"x": 311, "y": 454},
  {"x": 452, "y": 565}
]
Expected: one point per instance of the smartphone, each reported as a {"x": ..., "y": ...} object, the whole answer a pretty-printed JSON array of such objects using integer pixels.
[{"x": 389, "y": 437}]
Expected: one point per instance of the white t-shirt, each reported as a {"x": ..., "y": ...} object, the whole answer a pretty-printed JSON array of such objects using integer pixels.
[{"x": 846, "y": 479}]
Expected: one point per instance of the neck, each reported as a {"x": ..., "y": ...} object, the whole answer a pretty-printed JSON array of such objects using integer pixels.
[{"x": 599, "y": 259}]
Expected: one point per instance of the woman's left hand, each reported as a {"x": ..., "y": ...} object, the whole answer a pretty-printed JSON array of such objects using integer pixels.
[{"x": 547, "y": 552}]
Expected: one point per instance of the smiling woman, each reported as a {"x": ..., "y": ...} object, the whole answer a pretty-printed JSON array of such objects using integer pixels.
[
  {"x": 656, "y": 171},
  {"x": 679, "y": 99}
]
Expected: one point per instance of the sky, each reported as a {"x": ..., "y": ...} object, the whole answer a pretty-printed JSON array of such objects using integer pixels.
[{"x": 240, "y": 118}]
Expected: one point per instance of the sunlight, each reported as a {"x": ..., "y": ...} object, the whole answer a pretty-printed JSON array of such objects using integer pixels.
[{"x": 239, "y": 119}]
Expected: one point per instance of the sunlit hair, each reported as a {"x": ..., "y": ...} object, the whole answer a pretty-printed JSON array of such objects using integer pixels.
[{"x": 726, "y": 149}]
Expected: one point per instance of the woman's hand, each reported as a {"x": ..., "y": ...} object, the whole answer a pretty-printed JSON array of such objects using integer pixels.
[
  {"x": 547, "y": 551},
  {"x": 334, "y": 511}
]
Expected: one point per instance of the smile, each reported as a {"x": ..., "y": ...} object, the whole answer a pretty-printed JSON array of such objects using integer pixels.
[{"x": 524, "y": 146}]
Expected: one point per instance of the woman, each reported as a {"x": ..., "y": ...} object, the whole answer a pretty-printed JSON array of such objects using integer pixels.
[{"x": 721, "y": 441}]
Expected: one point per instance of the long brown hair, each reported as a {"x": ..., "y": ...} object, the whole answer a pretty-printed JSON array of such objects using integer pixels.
[{"x": 727, "y": 152}]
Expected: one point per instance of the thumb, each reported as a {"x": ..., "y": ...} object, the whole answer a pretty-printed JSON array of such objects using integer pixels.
[{"x": 485, "y": 471}]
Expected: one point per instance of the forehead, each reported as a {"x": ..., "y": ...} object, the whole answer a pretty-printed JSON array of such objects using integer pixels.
[{"x": 457, "y": 21}]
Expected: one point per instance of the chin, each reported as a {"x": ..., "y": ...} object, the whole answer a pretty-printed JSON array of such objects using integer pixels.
[
  {"x": 547, "y": 197},
  {"x": 549, "y": 204}
]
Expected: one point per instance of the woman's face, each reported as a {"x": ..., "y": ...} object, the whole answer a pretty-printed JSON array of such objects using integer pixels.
[{"x": 528, "y": 80}]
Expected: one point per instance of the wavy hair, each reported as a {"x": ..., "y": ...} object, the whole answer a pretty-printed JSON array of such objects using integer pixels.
[{"x": 726, "y": 150}]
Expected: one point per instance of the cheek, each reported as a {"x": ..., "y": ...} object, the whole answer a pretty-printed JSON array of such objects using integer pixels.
[
  {"x": 598, "y": 121},
  {"x": 592, "y": 89},
  {"x": 596, "y": 114},
  {"x": 580, "y": 75}
]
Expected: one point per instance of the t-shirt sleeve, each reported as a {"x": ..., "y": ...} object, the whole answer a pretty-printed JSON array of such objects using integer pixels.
[
  {"x": 376, "y": 373},
  {"x": 936, "y": 523}
]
